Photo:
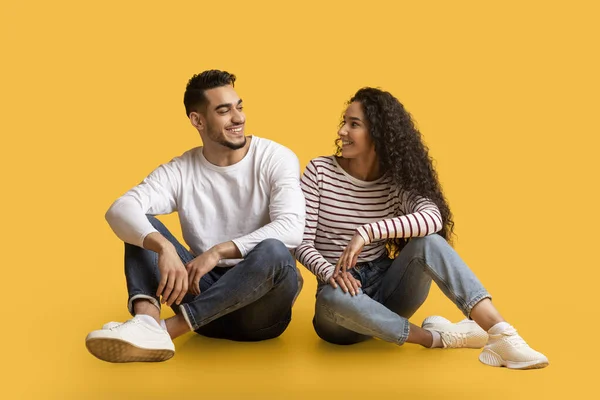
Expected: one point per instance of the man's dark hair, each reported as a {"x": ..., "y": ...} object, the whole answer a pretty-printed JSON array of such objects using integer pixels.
[{"x": 198, "y": 84}]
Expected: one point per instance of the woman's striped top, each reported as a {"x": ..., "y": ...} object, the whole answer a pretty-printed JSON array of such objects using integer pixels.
[{"x": 339, "y": 205}]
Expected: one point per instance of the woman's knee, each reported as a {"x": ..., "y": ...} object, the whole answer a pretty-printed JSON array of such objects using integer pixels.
[
  {"x": 427, "y": 243},
  {"x": 332, "y": 298},
  {"x": 330, "y": 332}
]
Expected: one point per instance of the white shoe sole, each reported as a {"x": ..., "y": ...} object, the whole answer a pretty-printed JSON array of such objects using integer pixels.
[
  {"x": 488, "y": 357},
  {"x": 120, "y": 351}
]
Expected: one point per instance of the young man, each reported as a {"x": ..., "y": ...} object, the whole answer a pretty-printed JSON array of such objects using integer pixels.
[{"x": 241, "y": 210}]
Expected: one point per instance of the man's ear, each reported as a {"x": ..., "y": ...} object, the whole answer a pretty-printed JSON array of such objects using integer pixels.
[{"x": 196, "y": 120}]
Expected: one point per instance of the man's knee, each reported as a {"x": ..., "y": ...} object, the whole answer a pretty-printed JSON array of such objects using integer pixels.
[
  {"x": 274, "y": 251},
  {"x": 288, "y": 285}
]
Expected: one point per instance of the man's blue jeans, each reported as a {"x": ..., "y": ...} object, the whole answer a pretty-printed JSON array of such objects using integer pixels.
[{"x": 247, "y": 302}]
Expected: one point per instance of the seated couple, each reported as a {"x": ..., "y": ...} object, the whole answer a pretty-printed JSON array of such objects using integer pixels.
[{"x": 370, "y": 222}]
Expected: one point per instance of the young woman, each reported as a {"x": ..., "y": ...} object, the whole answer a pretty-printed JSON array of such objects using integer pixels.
[{"x": 376, "y": 235}]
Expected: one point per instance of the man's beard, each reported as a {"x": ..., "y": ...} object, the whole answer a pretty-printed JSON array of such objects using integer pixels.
[{"x": 232, "y": 146}]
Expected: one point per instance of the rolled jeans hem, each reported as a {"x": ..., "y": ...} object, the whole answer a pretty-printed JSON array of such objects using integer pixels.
[
  {"x": 404, "y": 335},
  {"x": 138, "y": 296},
  {"x": 474, "y": 302},
  {"x": 187, "y": 315}
]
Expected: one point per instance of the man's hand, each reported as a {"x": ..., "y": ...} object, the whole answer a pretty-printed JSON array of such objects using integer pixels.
[
  {"x": 349, "y": 255},
  {"x": 346, "y": 281},
  {"x": 199, "y": 267},
  {"x": 173, "y": 276}
]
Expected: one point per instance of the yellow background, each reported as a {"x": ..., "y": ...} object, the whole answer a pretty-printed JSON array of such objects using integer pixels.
[{"x": 505, "y": 94}]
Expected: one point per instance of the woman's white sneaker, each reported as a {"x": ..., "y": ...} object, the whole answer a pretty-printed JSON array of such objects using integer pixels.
[
  {"x": 134, "y": 340},
  {"x": 463, "y": 334},
  {"x": 508, "y": 349}
]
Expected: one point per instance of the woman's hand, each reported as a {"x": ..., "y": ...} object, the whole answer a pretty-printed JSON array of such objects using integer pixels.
[
  {"x": 347, "y": 282},
  {"x": 350, "y": 255}
]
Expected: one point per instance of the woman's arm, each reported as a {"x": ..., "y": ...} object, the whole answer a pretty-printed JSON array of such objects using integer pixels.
[
  {"x": 421, "y": 218},
  {"x": 306, "y": 253}
]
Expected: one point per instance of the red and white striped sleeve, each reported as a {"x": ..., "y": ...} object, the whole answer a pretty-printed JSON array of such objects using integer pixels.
[
  {"x": 306, "y": 253},
  {"x": 421, "y": 218}
]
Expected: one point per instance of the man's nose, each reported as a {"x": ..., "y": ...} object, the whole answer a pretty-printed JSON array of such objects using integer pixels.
[{"x": 238, "y": 117}]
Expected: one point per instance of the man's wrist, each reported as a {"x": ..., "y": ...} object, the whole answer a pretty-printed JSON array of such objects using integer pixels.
[
  {"x": 166, "y": 248},
  {"x": 226, "y": 250},
  {"x": 217, "y": 251},
  {"x": 158, "y": 243}
]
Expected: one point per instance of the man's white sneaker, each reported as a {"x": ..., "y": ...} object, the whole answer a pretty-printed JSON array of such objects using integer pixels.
[
  {"x": 463, "y": 334},
  {"x": 508, "y": 349},
  {"x": 134, "y": 340},
  {"x": 111, "y": 324}
]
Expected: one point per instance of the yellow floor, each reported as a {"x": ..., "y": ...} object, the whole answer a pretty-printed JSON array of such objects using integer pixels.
[{"x": 298, "y": 365}]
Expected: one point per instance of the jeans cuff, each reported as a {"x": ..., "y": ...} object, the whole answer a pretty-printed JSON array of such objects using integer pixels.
[
  {"x": 404, "y": 335},
  {"x": 141, "y": 296},
  {"x": 187, "y": 315},
  {"x": 474, "y": 301}
]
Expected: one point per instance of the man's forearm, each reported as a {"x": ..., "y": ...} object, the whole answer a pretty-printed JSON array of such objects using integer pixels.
[
  {"x": 157, "y": 243},
  {"x": 227, "y": 250},
  {"x": 288, "y": 229}
]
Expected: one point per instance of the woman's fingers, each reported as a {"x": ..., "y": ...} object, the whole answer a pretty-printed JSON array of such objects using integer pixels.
[
  {"x": 337, "y": 267},
  {"x": 342, "y": 283},
  {"x": 355, "y": 283},
  {"x": 354, "y": 260},
  {"x": 332, "y": 283},
  {"x": 350, "y": 283}
]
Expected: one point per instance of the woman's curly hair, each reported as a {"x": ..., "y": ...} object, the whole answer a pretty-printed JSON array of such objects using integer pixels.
[{"x": 402, "y": 153}]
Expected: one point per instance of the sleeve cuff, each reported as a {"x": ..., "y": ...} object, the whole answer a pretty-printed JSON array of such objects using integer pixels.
[
  {"x": 143, "y": 237},
  {"x": 363, "y": 232},
  {"x": 326, "y": 276},
  {"x": 240, "y": 247}
]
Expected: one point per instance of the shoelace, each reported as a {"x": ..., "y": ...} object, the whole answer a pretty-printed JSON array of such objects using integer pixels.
[
  {"x": 514, "y": 338},
  {"x": 129, "y": 321},
  {"x": 454, "y": 339}
]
